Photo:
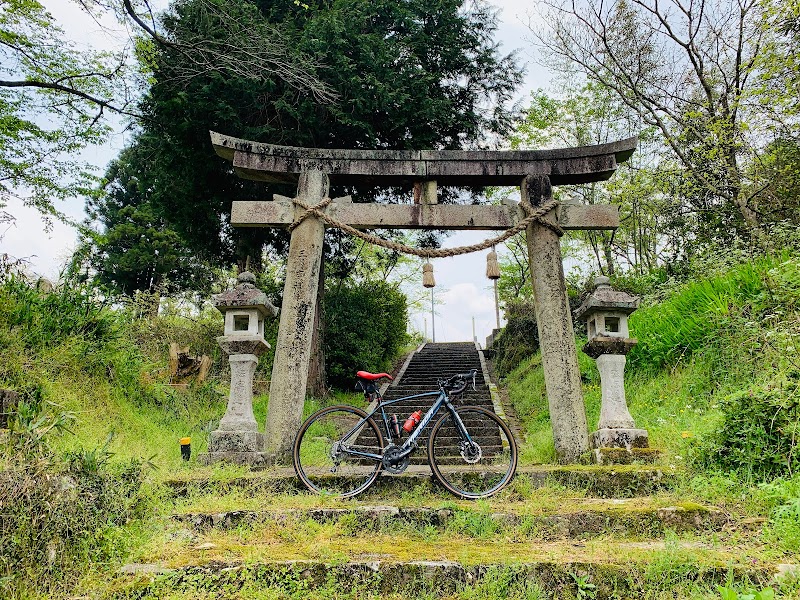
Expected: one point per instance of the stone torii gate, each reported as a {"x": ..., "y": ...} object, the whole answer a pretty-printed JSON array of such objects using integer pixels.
[{"x": 535, "y": 172}]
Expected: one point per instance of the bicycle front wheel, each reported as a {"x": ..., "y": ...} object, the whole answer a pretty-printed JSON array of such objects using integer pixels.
[
  {"x": 476, "y": 467},
  {"x": 325, "y": 450}
]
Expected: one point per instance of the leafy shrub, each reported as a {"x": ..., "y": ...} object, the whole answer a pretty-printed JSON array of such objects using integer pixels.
[
  {"x": 365, "y": 329},
  {"x": 520, "y": 337},
  {"x": 58, "y": 515},
  {"x": 760, "y": 431},
  {"x": 54, "y": 522},
  {"x": 783, "y": 529}
]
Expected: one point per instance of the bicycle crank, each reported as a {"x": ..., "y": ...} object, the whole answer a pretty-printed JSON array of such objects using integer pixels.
[{"x": 395, "y": 460}]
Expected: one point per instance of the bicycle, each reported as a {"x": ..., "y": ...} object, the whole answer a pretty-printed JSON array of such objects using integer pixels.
[{"x": 340, "y": 450}]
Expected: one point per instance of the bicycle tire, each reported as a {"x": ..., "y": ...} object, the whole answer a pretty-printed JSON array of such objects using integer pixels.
[
  {"x": 463, "y": 472},
  {"x": 343, "y": 476}
]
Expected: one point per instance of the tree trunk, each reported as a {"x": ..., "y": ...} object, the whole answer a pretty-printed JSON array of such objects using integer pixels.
[{"x": 316, "y": 385}]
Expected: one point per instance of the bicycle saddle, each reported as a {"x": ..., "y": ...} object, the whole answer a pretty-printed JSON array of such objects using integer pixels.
[{"x": 373, "y": 376}]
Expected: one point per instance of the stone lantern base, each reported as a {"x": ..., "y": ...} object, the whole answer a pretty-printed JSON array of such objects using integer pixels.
[
  {"x": 244, "y": 459},
  {"x": 621, "y": 446},
  {"x": 619, "y": 438},
  {"x": 238, "y": 447}
]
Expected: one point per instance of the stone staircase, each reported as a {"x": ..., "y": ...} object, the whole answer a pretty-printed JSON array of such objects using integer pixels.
[
  {"x": 556, "y": 533},
  {"x": 420, "y": 374}
]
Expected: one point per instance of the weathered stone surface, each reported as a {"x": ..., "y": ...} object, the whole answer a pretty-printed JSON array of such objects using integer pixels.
[
  {"x": 625, "y": 456},
  {"x": 9, "y": 400},
  {"x": 622, "y": 517},
  {"x": 600, "y": 345},
  {"x": 239, "y": 414},
  {"x": 267, "y": 162},
  {"x": 242, "y": 344},
  {"x": 605, "y": 298},
  {"x": 610, "y": 578},
  {"x": 236, "y": 441},
  {"x": 614, "y": 412},
  {"x": 245, "y": 295},
  {"x": 245, "y": 459},
  {"x": 604, "y": 482},
  {"x": 293, "y": 348},
  {"x": 620, "y": 438},
  {"x": 144, "y": 569},
  {"x": 787, "y": 572},
  {"x": 556, "y": 334},
  {"x": 281, "y": 213}
]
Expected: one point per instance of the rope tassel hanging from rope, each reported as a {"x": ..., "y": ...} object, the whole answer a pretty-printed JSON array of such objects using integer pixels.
[
  {"x": 492, "y": 267},
  {"x": 427, "y": 275}
]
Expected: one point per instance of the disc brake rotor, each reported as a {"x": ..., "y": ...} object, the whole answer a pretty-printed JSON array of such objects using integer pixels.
[{"x": 471, "y": 452}]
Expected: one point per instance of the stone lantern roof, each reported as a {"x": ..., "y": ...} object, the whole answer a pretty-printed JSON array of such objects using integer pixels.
[
  {"x": 606, "y": 299},
  {"x": 245, "y": 295}
]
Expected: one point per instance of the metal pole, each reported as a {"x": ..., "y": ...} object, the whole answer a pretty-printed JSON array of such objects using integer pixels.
[
  {"x": 433, "y": 318},
  {"x": 425, "y": 319},
  {"x": 474, "y": 337},
  {"x": 496, "y": 304}
]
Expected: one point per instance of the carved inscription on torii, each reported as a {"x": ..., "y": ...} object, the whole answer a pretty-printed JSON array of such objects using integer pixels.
[{"x": 535, "y": 172}]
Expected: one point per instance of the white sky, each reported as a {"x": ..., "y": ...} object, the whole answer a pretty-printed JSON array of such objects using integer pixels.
[{"x": 462, "y": 291}]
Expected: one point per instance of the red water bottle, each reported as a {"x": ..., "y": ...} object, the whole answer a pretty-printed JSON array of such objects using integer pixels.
[{"x": 412, "y": 421}]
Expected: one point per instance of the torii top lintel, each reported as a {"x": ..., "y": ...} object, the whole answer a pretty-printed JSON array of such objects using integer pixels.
[{"x": 283, "y": 164}]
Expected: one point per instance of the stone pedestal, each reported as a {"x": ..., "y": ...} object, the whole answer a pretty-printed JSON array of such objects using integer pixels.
[
  {"x": 616, "y": 428},
  {"x": 614, "y": 412},
  {"x": 237, "y": 440},
  {"x": 628, "y": 438},
  {"x": 239, "y": 415}
]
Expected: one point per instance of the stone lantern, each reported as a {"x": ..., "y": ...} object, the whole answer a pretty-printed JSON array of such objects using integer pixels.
[
  {"x": 245, "y": 307},
  {"x": 606, "y": 313}
]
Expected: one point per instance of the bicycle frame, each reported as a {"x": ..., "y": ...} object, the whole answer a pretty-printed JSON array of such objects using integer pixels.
[{"x": 411, "y": 443}]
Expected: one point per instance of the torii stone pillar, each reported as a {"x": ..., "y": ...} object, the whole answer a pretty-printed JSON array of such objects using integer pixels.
[
  {"x": 562, "y": 376},
  {"x": 287, "y": 389}
]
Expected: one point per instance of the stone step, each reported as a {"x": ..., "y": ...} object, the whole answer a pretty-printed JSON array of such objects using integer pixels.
[
  {"x": 578, "y": 520},
  {"x": 597, "y": 481},
  {"x": 375, "y": 574}
]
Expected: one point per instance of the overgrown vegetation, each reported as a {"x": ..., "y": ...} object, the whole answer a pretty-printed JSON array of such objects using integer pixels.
[{"x": 365, "y": 329}]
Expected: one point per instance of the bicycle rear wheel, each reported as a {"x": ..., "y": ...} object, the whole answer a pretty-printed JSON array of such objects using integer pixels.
[
  {"x": 320, "y": 455},
  {"x": 477, "y": 468}
]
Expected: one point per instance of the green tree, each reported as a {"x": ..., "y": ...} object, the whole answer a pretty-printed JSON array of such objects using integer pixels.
[
  {"x": 408, "y": 74},
  {"x": 365, "y": 329},
  {"x": 137, "y": 250},
  {"x": 56, "y": 97},
  {"x": 691, "y": 71},
  {"x": 589, "y": 113},
  {"x": 53, "y": 100}
]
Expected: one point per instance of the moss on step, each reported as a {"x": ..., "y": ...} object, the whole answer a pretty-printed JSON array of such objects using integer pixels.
[
  {"x": 433, "y": 579},
  {"x": 567, "y": 520},
  {"x": 604, "y": 481}
]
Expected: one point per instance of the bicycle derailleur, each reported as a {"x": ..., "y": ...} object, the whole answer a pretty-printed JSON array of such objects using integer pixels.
[{"x": 395, "y": 460}]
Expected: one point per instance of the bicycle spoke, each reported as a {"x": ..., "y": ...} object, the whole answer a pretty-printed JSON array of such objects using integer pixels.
[
  {"x": 474, "y": 470},
  {"x": 326, "y": 462}
]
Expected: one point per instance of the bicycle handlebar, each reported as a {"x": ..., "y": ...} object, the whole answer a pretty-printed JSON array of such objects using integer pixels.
[{"x": 458, "y": 383}]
